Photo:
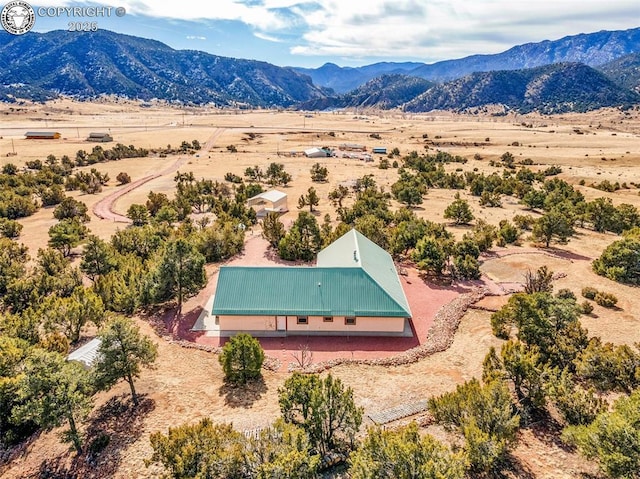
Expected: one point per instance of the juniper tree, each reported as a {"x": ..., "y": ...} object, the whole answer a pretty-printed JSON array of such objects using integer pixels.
[
  {"x": 201, "y": 450},
  {"x": 311, "y": 199},
  {"x": 303, "y": 240},
  {"x": 66, "y": 235},
  {"x": 459, "y": 211},
  {"x": 69, "y": 209},
  {"x": 241, "y": 358},
  {"x": 98, "y": 258},
  {"x": 54, "y": 391},
  {"x": 71, "y": 314},
  {"x": 180, "y": 272},
  {"x": 319, "y": 173},
  {"x": 486, "y": 418},
  {"x": 404, "y": 454},
  {"x": 554, "y": 224},
  {"x": 272, "y": 228},
  {"x": 122, "y": 353},
  {"x": 324, "y": 408},
  {"x": 613, "y": 438}
]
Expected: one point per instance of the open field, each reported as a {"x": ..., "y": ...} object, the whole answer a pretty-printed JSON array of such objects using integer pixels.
[{"x": 187, "y": 384}]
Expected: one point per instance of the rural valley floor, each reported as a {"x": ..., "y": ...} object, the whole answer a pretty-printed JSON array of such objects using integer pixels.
[{"x": 187, "y": 384}]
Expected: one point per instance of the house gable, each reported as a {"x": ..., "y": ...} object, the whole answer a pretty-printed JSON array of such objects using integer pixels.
[{"x": 353, "y": 249}]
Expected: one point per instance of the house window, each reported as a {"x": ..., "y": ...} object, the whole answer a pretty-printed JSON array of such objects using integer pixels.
[
  {"x": 328, "y": 319},
  {"x": 350, "y": 320},
  {"x": 303, "y": 320}
]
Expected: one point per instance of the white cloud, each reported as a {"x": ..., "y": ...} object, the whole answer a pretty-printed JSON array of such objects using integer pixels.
[
  {"x": 269, "y": 38},
  {"x": 195, "y": 37},
  {"x": 443, "y": 29},
  {"x": 427, "y": 29},
  {"x": 263, "y": 16}
]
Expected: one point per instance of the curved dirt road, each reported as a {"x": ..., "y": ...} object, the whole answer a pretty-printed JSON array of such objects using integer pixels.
[{"x": 104, "y": 208}]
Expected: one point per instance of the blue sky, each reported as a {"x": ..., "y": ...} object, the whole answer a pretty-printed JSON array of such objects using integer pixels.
[{"x": 352, "y": 32}]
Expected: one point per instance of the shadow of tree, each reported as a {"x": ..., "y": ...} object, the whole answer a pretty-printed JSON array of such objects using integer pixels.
[
  {"x": 243, "y": 395},
  {"x": 568, "y": 255},
  {"x": 447, "y": 283},
  {"x": 513, "y": 467},
  {"x": 120, "y": 422},
  {"x": 549, "y": 431},
  {"x": 10, "y": 452}
]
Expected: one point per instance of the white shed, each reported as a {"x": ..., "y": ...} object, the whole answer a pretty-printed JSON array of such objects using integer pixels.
[
  {"x": 87, "y": 353},
  {"x": 315, "y": 153},
  {"x": 267, "y": 202}
]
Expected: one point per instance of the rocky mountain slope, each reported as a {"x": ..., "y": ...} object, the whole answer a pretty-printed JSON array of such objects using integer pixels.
[
  {"x": 549, "y": 89},
  {"x": 625, "y": 71},
  {"x": 106, "y": 63},
  {"x": 384, "y": 92}
]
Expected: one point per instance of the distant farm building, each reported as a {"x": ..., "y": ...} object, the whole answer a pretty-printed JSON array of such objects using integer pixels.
[
  {"x": 267, "y": 202},
  {"x": 42, "y": 135},
  {"x": 316, "y": 153},
  {"x": 353, "y": 147},
  {"x": 100, "y": 137},
  {"x": 86, "y": 354},
  {"x": 380, "y": 150},
  {"x": 354, "y": 289}
]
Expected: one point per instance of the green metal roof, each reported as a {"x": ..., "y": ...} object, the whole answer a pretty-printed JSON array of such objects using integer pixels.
[
  {"x": 355, "y": 249},
  {"x": 353, "y": 277},
  {"x": 266, "y": 291}
]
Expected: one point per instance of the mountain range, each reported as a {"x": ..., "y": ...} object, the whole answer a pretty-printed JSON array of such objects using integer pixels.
[
  {"x": 344, "y": 79},
  {"x": 592, "y": 49},
  {"x": 90, "y": 64},
  {"x": 556, "y": 88},
  {"x": 575, "y": 73}
]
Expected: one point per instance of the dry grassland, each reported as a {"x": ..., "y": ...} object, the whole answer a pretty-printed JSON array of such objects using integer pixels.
[{"x": 187, "y": 384}]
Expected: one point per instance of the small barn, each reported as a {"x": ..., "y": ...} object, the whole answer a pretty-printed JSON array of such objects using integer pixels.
[
  {"x": 100, "y": 137},
  {"x": 42, "y": 135},
  {"x": 316, "y": 153},
  {"x": 267, "y": 202},
  {"x": 87, "y": 353}
]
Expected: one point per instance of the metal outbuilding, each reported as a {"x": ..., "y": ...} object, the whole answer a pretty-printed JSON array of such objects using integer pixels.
[
  {"x": 87, "y": 353},
  {"x": 267, "y": 202},
  {"x": 42, "y": 135},
  {"x": 100, "y": 137},
  {"x": 316, "y": 153}
]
